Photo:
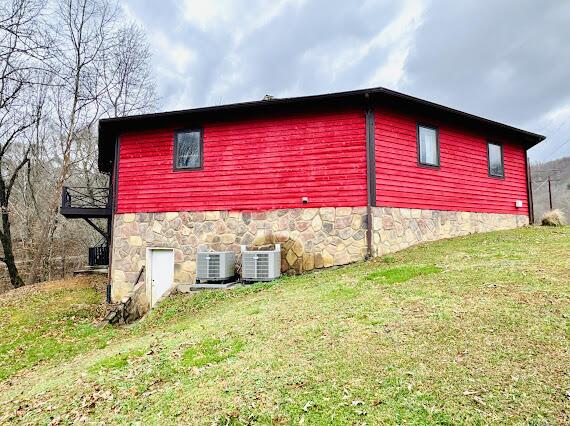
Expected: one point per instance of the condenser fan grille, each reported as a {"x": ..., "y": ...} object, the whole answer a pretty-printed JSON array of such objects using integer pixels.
[
  {"x": 215, "y": 265},
  {"x": 261, "y": 265}
]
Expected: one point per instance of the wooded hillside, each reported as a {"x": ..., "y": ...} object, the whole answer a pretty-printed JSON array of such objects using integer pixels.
[
  {"x": 560, "y": 186},
  {"x": 64, "y": 64}
]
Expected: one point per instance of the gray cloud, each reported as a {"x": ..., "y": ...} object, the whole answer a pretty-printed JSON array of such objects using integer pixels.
[
  {"x": 288, "y": 54},
  {"x": 506, "y": 60}
]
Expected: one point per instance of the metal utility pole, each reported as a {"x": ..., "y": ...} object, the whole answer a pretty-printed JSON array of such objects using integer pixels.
[
  {"x": 550, "y": 192},
  {"x": 546, "y": 176}
]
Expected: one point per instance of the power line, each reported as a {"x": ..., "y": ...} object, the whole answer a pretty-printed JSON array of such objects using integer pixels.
[{"x": 556, "y": 150}]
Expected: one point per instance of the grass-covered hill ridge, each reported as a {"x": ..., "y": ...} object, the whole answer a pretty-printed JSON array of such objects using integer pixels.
[{"x": 471, "y": 330}]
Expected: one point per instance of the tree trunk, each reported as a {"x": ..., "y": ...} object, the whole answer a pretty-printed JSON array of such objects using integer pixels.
[{"x": 8, "y": 259}]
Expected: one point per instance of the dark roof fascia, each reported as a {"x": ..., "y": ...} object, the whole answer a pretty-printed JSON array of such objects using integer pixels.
[{"x": 110, "y": 128}]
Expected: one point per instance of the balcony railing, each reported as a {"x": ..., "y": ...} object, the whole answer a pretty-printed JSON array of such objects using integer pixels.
[{"x": 85, "y": 202}]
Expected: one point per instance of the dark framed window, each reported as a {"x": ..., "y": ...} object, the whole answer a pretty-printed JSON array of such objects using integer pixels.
[
  {"x": 428, "y": 145},
  {"x": 495, "y": 159},
  {"x": 188, "y": 149}
]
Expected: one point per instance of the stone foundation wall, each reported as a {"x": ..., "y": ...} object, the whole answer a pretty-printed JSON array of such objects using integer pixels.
[
  {"x": 395, "y": 229},
  {"x": 131, "y": 307},
  {"x": 310, "y": 237}
]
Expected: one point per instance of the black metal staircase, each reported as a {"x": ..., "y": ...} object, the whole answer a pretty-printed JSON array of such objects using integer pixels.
[
  {"x": 99, "y": 255},
  {"x": 87, "y": 204}
]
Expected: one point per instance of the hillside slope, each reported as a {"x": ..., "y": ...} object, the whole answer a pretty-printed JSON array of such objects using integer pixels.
[{"x": 469, "y": 330}]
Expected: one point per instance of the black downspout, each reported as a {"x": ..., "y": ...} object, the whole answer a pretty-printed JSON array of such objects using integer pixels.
[
  {"x": 370, "y": 174},
  {"x": 529, "y": 190},
  {"x": 113, "y": 186}
]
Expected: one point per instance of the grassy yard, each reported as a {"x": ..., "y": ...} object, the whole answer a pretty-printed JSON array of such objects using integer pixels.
[{"x": 473, "y": 330}]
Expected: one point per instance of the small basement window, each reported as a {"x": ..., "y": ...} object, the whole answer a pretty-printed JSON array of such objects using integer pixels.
[
  {"x": 496, "y": 162},
  {"x": 428, "y": 146},
  {"x": 187, "y": 149}
]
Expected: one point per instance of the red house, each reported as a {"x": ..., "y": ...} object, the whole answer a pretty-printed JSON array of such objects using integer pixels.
[{"x": 334, "y": 178}]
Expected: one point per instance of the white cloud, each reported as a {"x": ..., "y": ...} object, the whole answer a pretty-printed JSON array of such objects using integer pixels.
[
  {"x": 558, "y": 115},
  {"x": 207, "y": 14},
  {"x": 333, "y": 60},
  {"x": 227, "y": 80},
  {"x": 242, "y": 16},
  {"x": 175, "y": 56},
  {"x": 392, "y": 72},
  {"x": 399, "y": 37}
]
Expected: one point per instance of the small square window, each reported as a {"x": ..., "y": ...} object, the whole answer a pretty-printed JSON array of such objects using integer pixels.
[
  {"x": 495, "y": 157},
  {"x": 188, "y": 149},
  {"x": 428, "y": 146}
]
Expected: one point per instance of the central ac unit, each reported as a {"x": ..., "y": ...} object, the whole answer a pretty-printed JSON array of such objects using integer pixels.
[
  {"x": 215, "y": 265},
  {"x": 261, "y": 265}
]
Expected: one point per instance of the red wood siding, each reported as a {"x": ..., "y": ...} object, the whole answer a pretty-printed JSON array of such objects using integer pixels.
[
  {"x": 249, "y": 165},
  {"x": 461, "y": 183}
]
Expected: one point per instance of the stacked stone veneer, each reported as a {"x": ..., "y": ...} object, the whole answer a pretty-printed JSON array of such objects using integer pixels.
[
  {"x": 397, "y": 228},
  {"x": 310, "y": 237}
]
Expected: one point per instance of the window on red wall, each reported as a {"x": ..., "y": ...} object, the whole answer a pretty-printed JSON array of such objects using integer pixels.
[
  {"x": 188, "y": 149},
  {"x": 428, "y": 145},
  {"x": 495, "y": 157}
]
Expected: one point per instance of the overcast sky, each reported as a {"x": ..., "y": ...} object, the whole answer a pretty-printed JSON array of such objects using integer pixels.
[{"x": 505, "y": 60}]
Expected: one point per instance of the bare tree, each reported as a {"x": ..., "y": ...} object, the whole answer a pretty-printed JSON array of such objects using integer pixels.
[
  {"x": 21, "y": 101},
  {"x": 128, "y": 83},
  {"x": 60, "y": 72},
  {"x": 102, "y": 68},
  {"x": 81, "y": 28}
]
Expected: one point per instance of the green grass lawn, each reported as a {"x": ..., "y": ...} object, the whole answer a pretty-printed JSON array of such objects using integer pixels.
[{"x": 473, "y": 330}]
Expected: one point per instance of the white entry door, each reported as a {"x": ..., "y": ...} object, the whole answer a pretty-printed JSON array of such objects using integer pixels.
[{"x": 160, "y": 273}]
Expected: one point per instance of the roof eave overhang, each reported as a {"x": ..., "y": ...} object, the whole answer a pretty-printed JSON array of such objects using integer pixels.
[{"x": 110, "y": 129}]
